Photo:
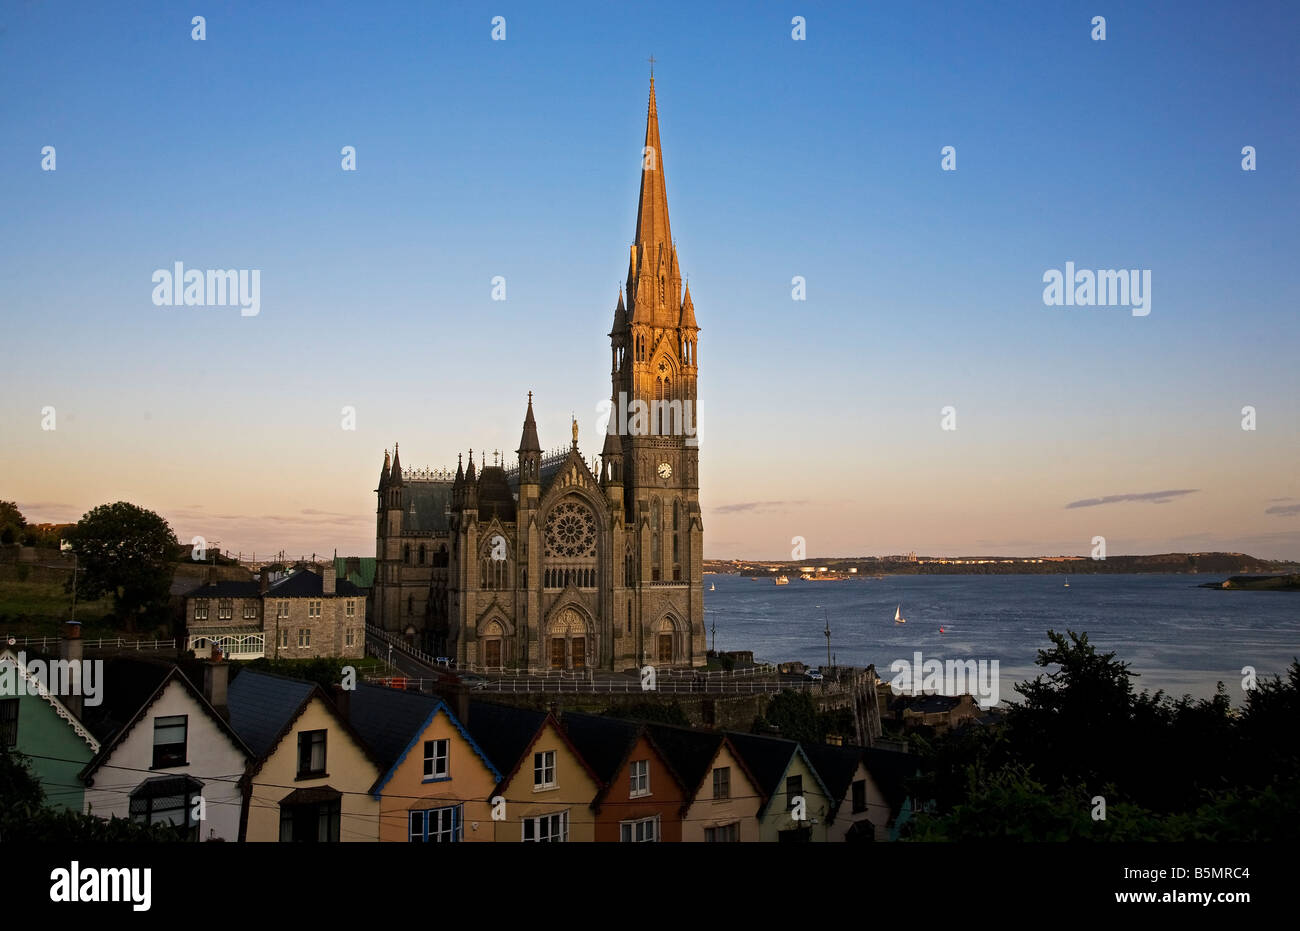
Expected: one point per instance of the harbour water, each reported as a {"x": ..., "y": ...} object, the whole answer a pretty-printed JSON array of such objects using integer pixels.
[{"x": 1179, "y": 637}]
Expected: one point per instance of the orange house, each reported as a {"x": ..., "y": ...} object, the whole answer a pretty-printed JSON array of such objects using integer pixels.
[
  {"x": 641, "y": 798},
  {"x": 546, "y": 786},
  {"x": 436, "y": 783}
]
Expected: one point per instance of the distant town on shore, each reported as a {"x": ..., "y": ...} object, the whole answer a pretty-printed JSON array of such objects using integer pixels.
[{"x": 842, "y": 568}]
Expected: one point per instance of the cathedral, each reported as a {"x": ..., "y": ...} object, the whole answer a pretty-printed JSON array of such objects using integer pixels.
[{"x": 557, "y": 563}]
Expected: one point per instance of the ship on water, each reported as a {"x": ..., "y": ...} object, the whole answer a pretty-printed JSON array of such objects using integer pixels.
[{"x": 782, "y": 580}]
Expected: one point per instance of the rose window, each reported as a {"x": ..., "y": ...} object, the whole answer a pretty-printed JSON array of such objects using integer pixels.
[{"x": 570, "y": 531}]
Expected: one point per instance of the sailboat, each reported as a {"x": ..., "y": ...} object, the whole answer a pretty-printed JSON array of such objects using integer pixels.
[
  {"x": 1067, "y": 584},
  {"x": 712, "y": 587},
  {"x": 898, "y": 615}
]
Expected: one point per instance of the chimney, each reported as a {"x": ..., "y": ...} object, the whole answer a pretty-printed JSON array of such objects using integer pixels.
[
  {"x": 460, "y": 697},
  {"x": 216, "y": 681},
  {"x": 263, "y": 580},
  {"x": 71, "y": 649},
  {"x": 210, "y": 575},
  {"x": 327, "y": 587},
  {"x": 343, "y": 702}
]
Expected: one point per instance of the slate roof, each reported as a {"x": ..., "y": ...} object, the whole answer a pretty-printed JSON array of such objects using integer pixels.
[
  {"x": 388, "y": 719},
  {"x": 835, "y": 766},
  {"x": 307, "y": 584},
  {"x": 603, "y": 742},
  {"x": 494, "y": 496},
  {"x": 891, "y": 770},
  {"x": 121, "y": 730},
  {"x": 503, "y": 732},
  {"x": 225, "y": 589},
  {"x": 425, "y": 506},
  {"x": 767, "y": 758},
  {"x": 126, "y": 685},
  {"x": 262, "y": 704},
  {"x": 927, "y": 704},
  {"x": 689, "y": 752}
]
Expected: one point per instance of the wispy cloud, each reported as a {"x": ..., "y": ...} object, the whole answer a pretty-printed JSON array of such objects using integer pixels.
[
  {"x": 756, "y": 507},
  {"x": 1284, "y": 510},
  {"x": 1151, "y": 497}
]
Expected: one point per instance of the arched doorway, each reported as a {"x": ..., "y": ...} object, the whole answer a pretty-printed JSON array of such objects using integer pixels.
[
  {"x": 666, "y": 641},
  {"x": 492, "y": 640},
  {"x": 566, "y": 646}
]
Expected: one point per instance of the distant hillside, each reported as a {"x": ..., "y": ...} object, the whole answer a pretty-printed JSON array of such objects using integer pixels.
[{"x": 1217, "y": 563}]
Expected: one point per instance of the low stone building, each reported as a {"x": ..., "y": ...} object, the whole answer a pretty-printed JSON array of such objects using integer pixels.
[{"x": 303, "y": 615}]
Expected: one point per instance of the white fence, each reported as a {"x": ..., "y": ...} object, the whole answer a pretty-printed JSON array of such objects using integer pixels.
[{"x": 55, "y": 644}]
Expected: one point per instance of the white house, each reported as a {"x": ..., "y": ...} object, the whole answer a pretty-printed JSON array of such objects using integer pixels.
[{"x": 176, "y": 761}]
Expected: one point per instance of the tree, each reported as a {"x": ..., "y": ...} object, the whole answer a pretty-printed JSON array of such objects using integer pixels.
[
  {"x": 128, "y": 552},
  {"x": 25, "y": 817},
  {"x": 12, "y": 522}
]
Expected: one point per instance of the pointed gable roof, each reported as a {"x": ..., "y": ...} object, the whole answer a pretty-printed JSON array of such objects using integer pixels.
[
  {"x": 605, "y": 743},
  {"x": 33, "y": 685},
  {"x": 768, "y": 758},
  {"x": 392, "y": 722},
  {"x": 263, "y": 705},
  {"x": 693, "y": 752},
  {"x": 263, "y": 708},
  {"x": 508, "y": 735},
  {"x": 174, "y": 675}
]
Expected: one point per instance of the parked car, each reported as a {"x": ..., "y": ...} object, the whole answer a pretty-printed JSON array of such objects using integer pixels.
[{"x": 812, "y": 675}]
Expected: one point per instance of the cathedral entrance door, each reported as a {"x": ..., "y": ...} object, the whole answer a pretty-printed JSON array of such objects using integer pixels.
[
  {"x": 492, "y": 654},
  {"x": 665, "y": 648},
  {"x": 557, "y": 652},
  {"x": 579, "y": 652}
]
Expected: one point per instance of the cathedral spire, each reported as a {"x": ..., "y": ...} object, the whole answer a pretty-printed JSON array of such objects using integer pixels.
[
  {"x": 395, "y": 475},
  {"x": 652, "y": 230},
  {"x": 528, "y": 442}
]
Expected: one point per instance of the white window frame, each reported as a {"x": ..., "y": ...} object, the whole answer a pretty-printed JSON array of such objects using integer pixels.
[
  {"x": 436, "y": 752},
  {"x": 351, "y": 607},
  {"x": 628, "y": 831},
  {"x": 640, "y": 778},
  {"x": 543, "y": 767},
  {"x": 555, "y": 826},
  {"x": 449, "y": 828}
]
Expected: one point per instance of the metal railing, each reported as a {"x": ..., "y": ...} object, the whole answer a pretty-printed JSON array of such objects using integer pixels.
[
  {"x": 550, "y": 685},
  {"x": 46, "y": 644}
]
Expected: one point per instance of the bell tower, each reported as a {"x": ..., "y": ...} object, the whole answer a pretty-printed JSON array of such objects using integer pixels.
[{"x": 654, "y": 405}]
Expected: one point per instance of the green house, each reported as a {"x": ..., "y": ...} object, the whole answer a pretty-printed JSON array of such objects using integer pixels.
[{"x": 38, "y": 725}]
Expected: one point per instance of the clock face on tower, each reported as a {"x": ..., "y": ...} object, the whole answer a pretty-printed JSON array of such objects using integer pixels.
[{"x": 665, "y": 470}]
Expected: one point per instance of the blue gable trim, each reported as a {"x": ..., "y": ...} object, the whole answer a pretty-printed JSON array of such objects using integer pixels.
[
  {"x": 439, "y": 708},
  {"x": 798, "y": 749}
]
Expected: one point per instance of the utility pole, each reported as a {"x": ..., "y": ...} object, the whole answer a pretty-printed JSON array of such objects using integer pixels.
[
  {"x": 828, "y": 635},
  {"x": 715, "y": 636}
]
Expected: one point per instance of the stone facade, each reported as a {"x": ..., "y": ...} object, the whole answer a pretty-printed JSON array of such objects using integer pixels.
[
  {"x": 557, "y": 561},
  {"x": 305, "y": 615}
]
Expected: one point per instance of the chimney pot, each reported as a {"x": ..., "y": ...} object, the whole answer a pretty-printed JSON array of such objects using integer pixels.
[{"x": 343, "y": 701}]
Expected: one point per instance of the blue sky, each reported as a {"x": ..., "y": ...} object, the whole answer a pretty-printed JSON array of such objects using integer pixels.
[{"x": 818, "y": 158}]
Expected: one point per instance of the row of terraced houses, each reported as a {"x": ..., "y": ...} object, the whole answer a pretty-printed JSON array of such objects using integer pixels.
[{"x": 244, "y": 755}]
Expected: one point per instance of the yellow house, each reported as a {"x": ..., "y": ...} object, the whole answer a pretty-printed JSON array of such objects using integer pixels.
[
  {"x": 437, "y": 783},
  {"x": 312, "y": 777},
  {"x": 546, "y": 786},
  {"x": 722, "y": 794},
  {"x": 790, "y": 786}
]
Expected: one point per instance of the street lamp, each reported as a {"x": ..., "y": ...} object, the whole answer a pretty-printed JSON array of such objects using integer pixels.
[{"x": 828, "y": 636}]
